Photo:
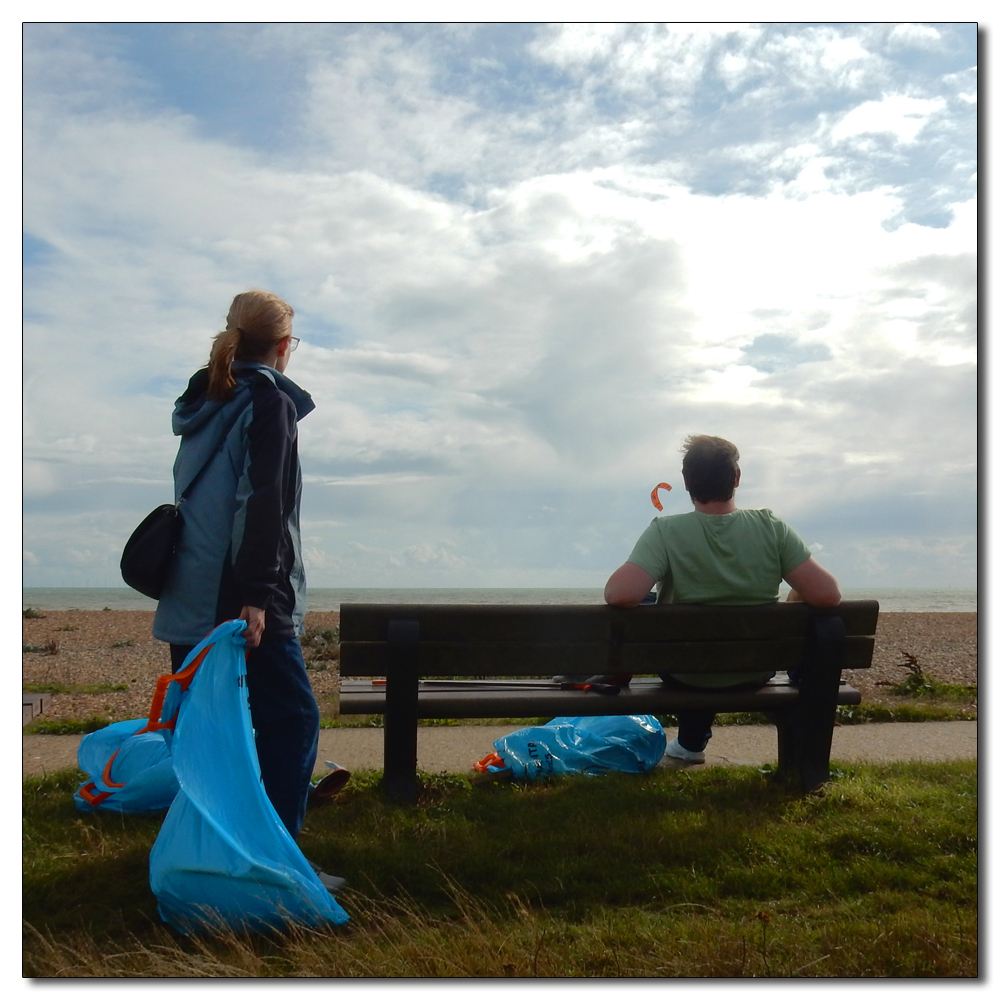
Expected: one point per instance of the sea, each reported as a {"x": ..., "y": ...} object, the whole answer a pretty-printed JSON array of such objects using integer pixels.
[{"x": 330, "y": 599}]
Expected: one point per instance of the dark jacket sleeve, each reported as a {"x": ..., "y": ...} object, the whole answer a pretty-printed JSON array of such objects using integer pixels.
[{"x": 270, "y": 452}]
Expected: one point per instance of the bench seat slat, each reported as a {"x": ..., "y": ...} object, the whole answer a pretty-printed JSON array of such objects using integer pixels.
[{"x": 641, "y": 697}]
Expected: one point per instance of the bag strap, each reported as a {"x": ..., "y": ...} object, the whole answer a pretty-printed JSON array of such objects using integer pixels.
[
  {"x": 222, "y": 440},
  {"x": 184, "y": 678}
]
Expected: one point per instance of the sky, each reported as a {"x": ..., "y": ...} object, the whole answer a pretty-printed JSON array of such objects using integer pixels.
[{"x": 526, "y": 260}]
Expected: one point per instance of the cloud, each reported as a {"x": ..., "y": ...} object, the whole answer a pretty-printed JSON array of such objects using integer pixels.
[
  {"x": 916, "y": 36},
  {"x": 525, "y": 262},
  {"x": 901, "y": 116}
]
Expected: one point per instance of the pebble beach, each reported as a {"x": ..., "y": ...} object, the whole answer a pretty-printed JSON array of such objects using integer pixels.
[{"x": 111, "y": 650}]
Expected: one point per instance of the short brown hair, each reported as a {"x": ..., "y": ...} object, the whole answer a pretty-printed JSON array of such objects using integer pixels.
[{"x": 709, "y": 467}]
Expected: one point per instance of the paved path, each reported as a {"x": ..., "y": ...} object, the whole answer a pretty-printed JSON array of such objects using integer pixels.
[{"x": 455, "y": 748}]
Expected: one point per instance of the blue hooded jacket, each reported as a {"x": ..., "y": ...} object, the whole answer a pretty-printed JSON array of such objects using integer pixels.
[{"x": 239, "y": 541}]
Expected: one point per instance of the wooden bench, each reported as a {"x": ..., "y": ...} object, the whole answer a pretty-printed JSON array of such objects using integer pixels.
[{"x": 404, "y": 643}]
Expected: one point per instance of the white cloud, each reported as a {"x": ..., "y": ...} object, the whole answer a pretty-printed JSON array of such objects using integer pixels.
[
  {"x": 505, "y": 361},
  {"x": 915, "y": 36},
  {"x": 901, "y": 116}
]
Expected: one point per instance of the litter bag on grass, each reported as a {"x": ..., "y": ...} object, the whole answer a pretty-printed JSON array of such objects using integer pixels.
[
  {"x": 128, "y": 770},
  {"x": 592, "y": 744},
  {"x": 223, "y": 859},
  {"x": 128, "y": 764}
]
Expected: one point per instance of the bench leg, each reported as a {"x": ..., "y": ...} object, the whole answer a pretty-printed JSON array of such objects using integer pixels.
[
  {"x": 805, "y": 732},
  {"x": 399, "y": 774}
]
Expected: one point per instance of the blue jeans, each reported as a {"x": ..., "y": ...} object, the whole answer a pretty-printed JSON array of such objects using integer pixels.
[
  {"x": 694, "y": 725},
  {"x": 285, "y": 719}
]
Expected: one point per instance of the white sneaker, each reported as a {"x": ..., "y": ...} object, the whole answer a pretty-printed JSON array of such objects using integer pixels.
[
  {"x": 332, "y": 883},
  {"x": 674, "y": 749}
]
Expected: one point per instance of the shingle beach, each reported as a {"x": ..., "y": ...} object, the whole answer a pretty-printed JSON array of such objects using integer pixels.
[{"x": 116, "y": 648}]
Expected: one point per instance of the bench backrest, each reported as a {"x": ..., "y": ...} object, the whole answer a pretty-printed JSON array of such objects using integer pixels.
[{"x": 523, "y": 640}]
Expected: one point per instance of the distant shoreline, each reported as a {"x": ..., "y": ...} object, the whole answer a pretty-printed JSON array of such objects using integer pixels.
[{"x": 322, "y": 599}]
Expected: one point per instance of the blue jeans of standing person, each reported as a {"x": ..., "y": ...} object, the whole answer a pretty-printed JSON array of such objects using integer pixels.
[{"x": 285, "y": 719}]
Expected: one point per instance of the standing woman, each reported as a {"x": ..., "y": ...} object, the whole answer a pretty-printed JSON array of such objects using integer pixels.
[{"x": 239, "y": 554}]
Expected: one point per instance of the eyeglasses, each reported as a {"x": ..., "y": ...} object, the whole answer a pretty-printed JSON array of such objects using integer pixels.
[{"x": 293, "y": 342}]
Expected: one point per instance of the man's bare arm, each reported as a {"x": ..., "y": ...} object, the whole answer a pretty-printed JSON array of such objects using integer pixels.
[
  {"x": 814, "y": 585},
  {"x": 627, "y": 586}
]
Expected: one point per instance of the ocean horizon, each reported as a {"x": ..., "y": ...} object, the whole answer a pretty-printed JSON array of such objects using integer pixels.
[{"x": 330, "y": 598}]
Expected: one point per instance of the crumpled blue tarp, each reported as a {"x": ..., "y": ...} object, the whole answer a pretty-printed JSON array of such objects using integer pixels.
[
  {"x": 594, "y": 744},
  {"x": 223, "y": 859}
]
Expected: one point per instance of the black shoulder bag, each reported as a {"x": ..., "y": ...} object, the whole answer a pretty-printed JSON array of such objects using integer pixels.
[{"x": 149, "y": 552}]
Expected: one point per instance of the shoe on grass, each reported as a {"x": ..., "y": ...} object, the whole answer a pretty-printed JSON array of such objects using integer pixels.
[
  {"x": 332, "y": 883},
  {"x": 674, "y": 749}
]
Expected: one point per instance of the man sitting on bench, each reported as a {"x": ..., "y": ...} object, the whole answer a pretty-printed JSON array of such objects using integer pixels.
[{"x": 716, "y": 554}]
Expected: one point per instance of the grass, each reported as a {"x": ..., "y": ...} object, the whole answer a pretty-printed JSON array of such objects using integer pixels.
[
  {"x": 846, "y": 715},
  {"x": 72, "y": 688},
  {"x": 908, "y": 710},
  {"x": 66, "y": 727},
  {"x": 717, "y": 873}
]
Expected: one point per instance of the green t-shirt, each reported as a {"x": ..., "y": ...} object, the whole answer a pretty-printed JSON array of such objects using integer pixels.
[{"x": 728, "y": 559}]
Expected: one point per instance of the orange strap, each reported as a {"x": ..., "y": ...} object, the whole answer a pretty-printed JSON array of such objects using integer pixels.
[
  {"x": 184, "y": 678},
  {"x": 482, "y": 766},
  {"x": 87, "y": 794},
  {"x": 106, "y": 775}
]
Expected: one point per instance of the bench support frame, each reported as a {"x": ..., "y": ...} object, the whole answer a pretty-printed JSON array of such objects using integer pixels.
[
  {"x": 805, "y": 732},
  {"x": 803, "y": 712},
  {"x": 399, "y": 776}
]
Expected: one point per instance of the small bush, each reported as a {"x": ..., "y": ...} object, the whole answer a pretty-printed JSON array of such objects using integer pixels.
[
  {"x": 32, "y": 613},
  {"x": 50, "y": 648},
  {"x": 321, "y": 647},
  {"x": 919, "y": 683}
]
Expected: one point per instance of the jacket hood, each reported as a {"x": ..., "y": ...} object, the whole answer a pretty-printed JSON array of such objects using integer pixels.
[{"x": 194, "y": 409}]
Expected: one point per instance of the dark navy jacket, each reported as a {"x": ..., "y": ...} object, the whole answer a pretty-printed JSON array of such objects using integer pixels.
[{"x": 240, "y": 537}]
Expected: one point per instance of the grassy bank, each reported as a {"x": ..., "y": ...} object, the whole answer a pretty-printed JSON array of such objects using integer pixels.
[{"x": 674, "y": 873}]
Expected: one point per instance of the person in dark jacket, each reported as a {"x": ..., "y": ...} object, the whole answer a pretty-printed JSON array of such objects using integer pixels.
[{"x": 240, "y": 553}]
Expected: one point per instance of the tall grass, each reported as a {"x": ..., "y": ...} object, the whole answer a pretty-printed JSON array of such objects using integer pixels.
[{"x": 716, "y": 873}]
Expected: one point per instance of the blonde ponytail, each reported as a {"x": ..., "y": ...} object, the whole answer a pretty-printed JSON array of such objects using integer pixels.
[
  {"x": 220, "y": 364},
  {"x": 257, "y": 321}
]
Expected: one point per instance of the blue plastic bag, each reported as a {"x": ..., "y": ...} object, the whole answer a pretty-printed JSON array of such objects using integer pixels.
[
  {"x": 223, "y": 859},
  {"x": 128, "y": 771},
  {"x": 594, "y": 744},
  {"x": 128, "y": 764}
]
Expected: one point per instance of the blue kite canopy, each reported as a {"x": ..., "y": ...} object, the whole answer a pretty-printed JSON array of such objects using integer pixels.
[{"x": 223, "y": 859}]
